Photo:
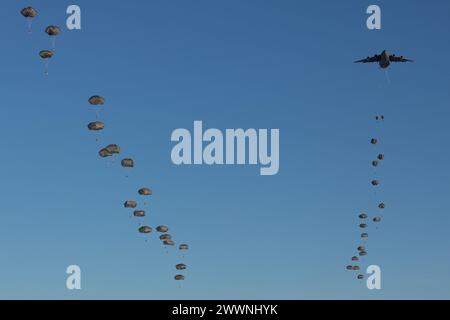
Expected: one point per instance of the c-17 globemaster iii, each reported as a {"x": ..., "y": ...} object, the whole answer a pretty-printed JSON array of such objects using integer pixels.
[{"x": 384, "y": 59}]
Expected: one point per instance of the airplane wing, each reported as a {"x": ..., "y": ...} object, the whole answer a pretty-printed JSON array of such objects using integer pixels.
[
  {"x": 375, "y": 58},
  {"x": 394, "y": 58}
]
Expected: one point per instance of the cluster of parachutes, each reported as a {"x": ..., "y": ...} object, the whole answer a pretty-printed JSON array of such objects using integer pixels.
[
  {"x": 111, "y": 150},
  {"x": 53, "y": 31},
  {"x": 363, "y": 218}
]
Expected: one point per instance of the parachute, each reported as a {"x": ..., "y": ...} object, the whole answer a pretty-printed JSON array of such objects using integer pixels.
[
  {"x": 181, "y": 266},
  {"x": 361, "y": 248},
  {"x": 168, "y": 242},
  {"x": 363, "y": 225},
  {"x": 162, "y": 229},
  {"x": 113, "y": 149},
  {"x": 355, "y": 258},
  {"x": 360, "y": 277},
  {"x": 375, "y": 163},
  {"x": 53, "y": 31},
  {"x": 165, "y": 237},
  {"x": 145, "y": 229},
  {"x": 184, "y": 246},
  {"x": 377, "y": 219},
  {"x": 375, "y": 183},
  {"x": 139, "y": 213},
  {"x": 363, "y": 216},
  {"x": 96, "y": 100},
  {"x": 373, "y": 141},
  {"x": 356, "y": 268},
  {"x": 105, "y": 153},
  {"x": 130, "y": 204},
  {"x": 362, "y": 253},
  {"x": 349, "y": 267},
  {"x": 127, "y": 163},
  {"x": 380, "y": 156},
  {"x": 145, "y": 192},
  {"x": 96, "y": 126},
  {"x": 29, "y": 13},
  {"x": 45, "y": 55},
  {"x": 364, "y": 235},
  {"x": 179, "y": 277},
  {"x": 381, "y": 205}
]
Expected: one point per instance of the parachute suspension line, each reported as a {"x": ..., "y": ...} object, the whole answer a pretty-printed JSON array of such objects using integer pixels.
[
  {"x": 29, "y": 21},
  {"x": 53, "y": 42},
  {"x": 388, "y": 79},
  {"x": 46, "y": 66}
]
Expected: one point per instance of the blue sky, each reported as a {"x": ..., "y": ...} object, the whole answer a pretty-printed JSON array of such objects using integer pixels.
[{"x": 232, "y": 64}]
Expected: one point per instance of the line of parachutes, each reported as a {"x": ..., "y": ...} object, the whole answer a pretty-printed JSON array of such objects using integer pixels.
[
  {"x": 363, "y": 218},
  {"x": 30, "y": 13},
  {"x": 112, "y": 149},
  {"x": 129, "y": 163}
]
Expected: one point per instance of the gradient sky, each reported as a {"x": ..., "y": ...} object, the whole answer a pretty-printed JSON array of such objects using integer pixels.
[{"x": 232, "y": 64}]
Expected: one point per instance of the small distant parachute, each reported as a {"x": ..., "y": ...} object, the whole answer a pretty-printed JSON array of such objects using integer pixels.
[
  {"x": 381, "y": 205},
  {"x": 361, "y": 248},
  {"x": 165, "y": 237},
  {"x": 162, "y": 229},
  {"x": 145, "y": 229},
  {"x": 373, "y": 141},
  {"x": 375, "y": 163},
  {"x": 355, "y": 258},
  {"x": 380, "y": 156},
  {"x": 168, "y": 242},
  {"x": 381, "y": 117},
  {"x": 184, "y": 246},
  {"x": 364, "y": 235},
  {"x": 96, "y": 100},
  {"x": 179, "y": 277},
  {"x": 53, "y": 31},
  {"x": 45, "y": 55},
  {"x": 130, "y": 204},
  {"x": 181, "y": 266},
  {"x": 362, "y": 253},
  {"x": 105, "y": 153},
  {"x": 363, "y": 216},
  {"x": 139, "y": 213},
  {"x": 377, "y": 219},
  {"x": 349, "y": 267},
  {"x": 363, "y": 225},
  {"x": 145, "y": 192},
  {"x": 360, "y": 277},
  {"x": 29, "y": 13},
  {"x": 375, "y": 183},
  {"x": 96, "y": 126},
  {"x": 113, "y": 149},
  {"x": 355, "y": 268},
  {"x": 127, "y": 163}
]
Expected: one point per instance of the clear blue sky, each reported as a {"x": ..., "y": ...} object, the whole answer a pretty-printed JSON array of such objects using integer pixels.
[{"x": 232, "y": 64}]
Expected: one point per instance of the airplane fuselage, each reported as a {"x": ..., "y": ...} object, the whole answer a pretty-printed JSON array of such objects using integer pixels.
[{"x": 384, "y": 60}]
